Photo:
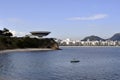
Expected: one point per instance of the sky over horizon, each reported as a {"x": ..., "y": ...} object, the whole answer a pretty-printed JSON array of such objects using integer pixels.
[{"x": 73, "y": 19}]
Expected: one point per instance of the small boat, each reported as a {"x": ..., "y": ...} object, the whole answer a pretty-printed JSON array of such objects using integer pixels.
[{"x": 74, "y": 61}]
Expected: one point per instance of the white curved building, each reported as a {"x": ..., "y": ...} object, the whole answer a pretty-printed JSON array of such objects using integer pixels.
[{"x": 40, "y": 33}]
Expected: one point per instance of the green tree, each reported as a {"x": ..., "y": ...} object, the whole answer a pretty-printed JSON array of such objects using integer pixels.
[{"x": 5, "y": 33}]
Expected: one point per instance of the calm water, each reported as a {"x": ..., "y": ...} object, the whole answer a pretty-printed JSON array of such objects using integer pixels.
[{"x": 96, "y": 63}]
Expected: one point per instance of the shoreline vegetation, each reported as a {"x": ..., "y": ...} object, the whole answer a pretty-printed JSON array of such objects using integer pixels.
[
  {"x": 8, "y": 43},
  {"x": 27, "y": 42}
]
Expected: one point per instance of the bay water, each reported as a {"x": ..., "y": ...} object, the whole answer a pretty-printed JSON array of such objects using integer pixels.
[{"x": 96, "y": 63}]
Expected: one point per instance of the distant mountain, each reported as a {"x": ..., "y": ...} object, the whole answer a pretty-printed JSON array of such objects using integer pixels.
[
  {"x": 93, "y": 38},
  {"x": 115, "y": 37}
]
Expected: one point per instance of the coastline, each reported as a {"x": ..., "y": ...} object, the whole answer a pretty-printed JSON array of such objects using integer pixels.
[
  {"x": 89, "y": 46},
  {"x": 25, "y": 49}
]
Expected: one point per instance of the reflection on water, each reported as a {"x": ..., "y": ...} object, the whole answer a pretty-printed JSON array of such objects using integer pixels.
[{"x": 96, "y": 63}]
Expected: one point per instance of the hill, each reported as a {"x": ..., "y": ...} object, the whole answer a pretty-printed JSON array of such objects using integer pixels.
[
  {"x": 93, "y": 38},
  {"x": 115, "y": 37}
]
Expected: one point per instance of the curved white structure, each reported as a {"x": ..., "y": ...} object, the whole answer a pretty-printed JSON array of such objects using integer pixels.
[{"x": 40, "y": 33}]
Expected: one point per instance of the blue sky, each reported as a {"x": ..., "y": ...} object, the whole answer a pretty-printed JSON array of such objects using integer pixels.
[{"x": 73, "y": 19}]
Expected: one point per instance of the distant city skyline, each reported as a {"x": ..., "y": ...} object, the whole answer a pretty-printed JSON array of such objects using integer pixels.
[{"x": 74, "y": 19}]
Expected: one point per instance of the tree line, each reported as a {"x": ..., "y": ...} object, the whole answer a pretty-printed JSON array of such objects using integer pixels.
[
  {"x": 7, "y": 41},
  {"x": 5, "y": 33}
]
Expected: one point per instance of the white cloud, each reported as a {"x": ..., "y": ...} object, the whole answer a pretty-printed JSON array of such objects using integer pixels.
[
  {"x": 16, "y": 33},
  {"x": 94, "y": 17}
]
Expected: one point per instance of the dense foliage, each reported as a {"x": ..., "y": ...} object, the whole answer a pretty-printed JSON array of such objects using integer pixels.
[
  {"x": 8, "y": 42},
  {"x": 26, "y": 42},
  {"x": 5, "y": 33}
]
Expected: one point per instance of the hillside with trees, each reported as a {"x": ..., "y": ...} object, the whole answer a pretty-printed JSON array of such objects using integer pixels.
[
  {"x": 115, "y": 37},
  {"x": 93, "y": 38},
  {"x": 7, "y": 41}
]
